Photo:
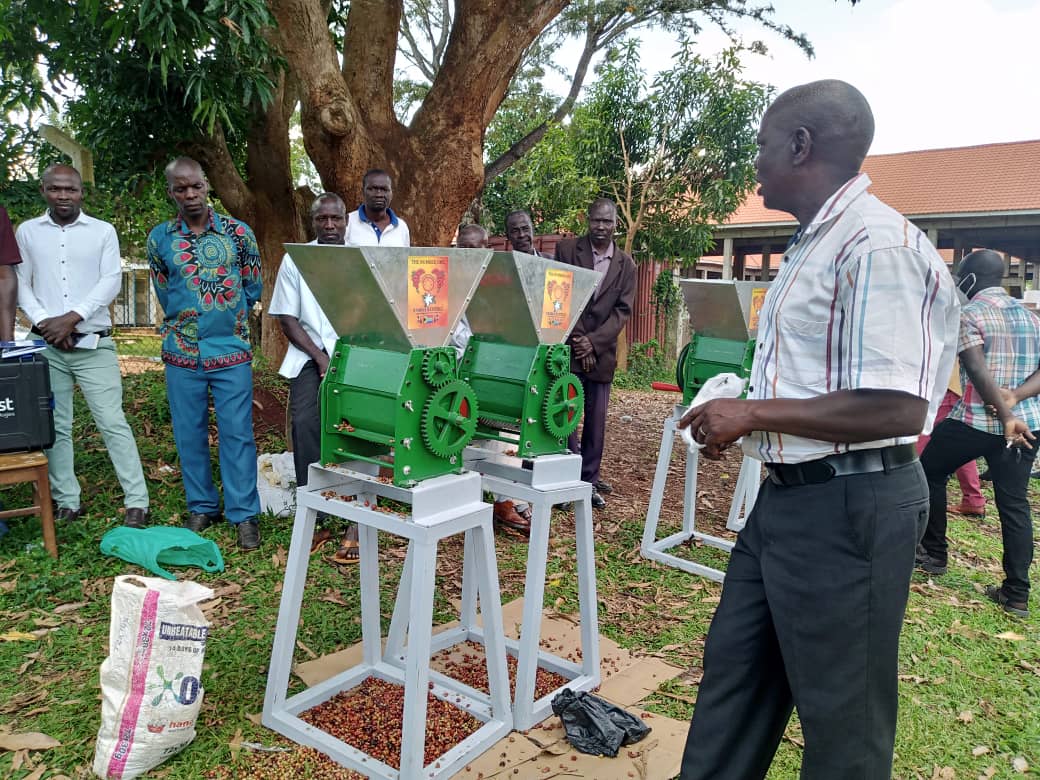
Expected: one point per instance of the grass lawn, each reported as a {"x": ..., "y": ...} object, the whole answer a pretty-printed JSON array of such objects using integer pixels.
[{"x": 969, "y": 684}]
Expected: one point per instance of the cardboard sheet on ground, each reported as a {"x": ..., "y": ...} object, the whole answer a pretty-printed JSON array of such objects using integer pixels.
[{"x": 627, "y": 680}]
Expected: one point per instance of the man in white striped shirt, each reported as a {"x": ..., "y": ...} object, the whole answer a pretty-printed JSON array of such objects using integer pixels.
[{"x": 860, "y": 322}]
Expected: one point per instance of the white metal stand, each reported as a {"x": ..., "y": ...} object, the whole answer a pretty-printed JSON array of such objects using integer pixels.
[
  {"x": 544, "y": 482},
  {"x": 744, "y": 495},
  {"x": 441, "y": 507}
]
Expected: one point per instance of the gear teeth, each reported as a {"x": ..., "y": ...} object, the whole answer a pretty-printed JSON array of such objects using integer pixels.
[
  {"x": 438, "y": 366},
  {"x": 558, "y": 359},
  {"x": 452, "y": 436},
  {"x": 555, "y": 416}
]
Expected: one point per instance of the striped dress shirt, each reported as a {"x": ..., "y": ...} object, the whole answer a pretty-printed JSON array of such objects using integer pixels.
[
  {"x": 861, "y": 300},
  {"x": 1009, "y": 335}
]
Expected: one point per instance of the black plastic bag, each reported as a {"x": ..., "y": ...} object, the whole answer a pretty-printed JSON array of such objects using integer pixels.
[{"x": 594, "y": 725}]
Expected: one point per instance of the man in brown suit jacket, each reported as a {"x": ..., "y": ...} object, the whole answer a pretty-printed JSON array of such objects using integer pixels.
[{"x": 594, "y": 338}]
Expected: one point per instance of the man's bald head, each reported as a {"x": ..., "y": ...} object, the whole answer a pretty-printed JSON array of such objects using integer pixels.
[
  {"x": 60, "y": 169},
  {"x": 837, "y": 116},
  {"x": 182, "y": 165},
  {"x": 472, "y": 236},
  {"x": 986, "y": 266}
]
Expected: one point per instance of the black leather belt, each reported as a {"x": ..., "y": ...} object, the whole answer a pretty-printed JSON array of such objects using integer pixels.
[
  {"x": 813, "y": 472},
  {"x": 101, "y": 334}
]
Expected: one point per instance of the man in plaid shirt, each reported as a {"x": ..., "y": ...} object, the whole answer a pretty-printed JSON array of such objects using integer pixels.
[{"x": 999, "y": 348}]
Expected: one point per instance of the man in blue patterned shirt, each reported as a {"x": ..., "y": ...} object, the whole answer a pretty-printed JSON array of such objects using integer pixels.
[
  {"x": 999, "y": 347},
  {"x": 205, "y": 268}
]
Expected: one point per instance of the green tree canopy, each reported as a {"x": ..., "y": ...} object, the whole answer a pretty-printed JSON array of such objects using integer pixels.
[{"x": 142, "y": 80}]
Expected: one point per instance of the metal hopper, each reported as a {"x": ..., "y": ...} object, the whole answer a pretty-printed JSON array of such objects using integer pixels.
[
  {"x": 724, "y": 324},
  {"x": 392, "y": 395},
  {"x": 395, "y": 298},
  {"x": 517, "y": 362},
  {"x": 527, "y": 300}
]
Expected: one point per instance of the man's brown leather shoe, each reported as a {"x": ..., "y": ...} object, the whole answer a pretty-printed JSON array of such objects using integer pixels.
[
  {"x": 136, "y": 517},
  {"x": 66, "y": 515},
  {"x": 504, "y": 513}
]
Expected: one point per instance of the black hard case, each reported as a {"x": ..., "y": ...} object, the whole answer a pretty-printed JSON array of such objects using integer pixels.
[{"x": 26, "y": 404}]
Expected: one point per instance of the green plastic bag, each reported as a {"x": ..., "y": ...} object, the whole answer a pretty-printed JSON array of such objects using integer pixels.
[{"x": 162, "y": 544}]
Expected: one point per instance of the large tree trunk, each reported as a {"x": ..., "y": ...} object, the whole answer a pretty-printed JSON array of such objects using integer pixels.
[
  {"x": 347, "y": 112},
  {"x": 349, "y": 125},
  {"x": 268, "y": 203}
]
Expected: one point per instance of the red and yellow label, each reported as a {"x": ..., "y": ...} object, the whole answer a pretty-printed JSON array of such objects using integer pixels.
[
  {"x": 427, "y": 292},
  {"x": 758, "y": 295},
  {"x": 556, "y": 298}
]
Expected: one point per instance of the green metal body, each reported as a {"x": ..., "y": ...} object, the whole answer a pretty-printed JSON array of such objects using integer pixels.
[
  {"x": 377, "y": 403},
  {"x": 526, "y": 394},
  {"x": 707, "y": 356}
]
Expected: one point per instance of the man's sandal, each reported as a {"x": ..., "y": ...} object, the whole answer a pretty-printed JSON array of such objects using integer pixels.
[{"x": 349, "y": 551}]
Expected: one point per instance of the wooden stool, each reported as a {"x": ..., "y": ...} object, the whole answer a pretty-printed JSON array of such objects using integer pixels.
[{"x": 18, "y": 467}]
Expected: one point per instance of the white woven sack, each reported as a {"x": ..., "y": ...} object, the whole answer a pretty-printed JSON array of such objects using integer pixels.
[{"x": 151, "y": 681}]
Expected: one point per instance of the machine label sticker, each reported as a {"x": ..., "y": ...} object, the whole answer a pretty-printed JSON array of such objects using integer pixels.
[
  {"x": 428, "y": 292},
  {"x": 556, "y": 299},
  {"x": 758, "y": 295}
]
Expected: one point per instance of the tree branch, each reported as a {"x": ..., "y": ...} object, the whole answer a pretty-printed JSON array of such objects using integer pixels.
[
  {"x": 413, "y": 53},
  {"x": 305, "y": 42},
  {"x": 505, "y": 160},
  {"x": 368, "y": 57},
  {"x": 486, "y": 44},
  {"x": 442, "y": 40}
]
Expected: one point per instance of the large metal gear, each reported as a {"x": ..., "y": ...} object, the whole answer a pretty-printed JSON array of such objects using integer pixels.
[
  {"x": 563, "y": 405},
  {"x": 449, "y": 419},
  {"x": 558, "y": 359},
  {"x": 438, "y": 366}
]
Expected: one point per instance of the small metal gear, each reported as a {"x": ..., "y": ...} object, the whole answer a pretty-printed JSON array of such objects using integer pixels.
[
  {"x": 449, "y": 419},
  {"x": 438, "y": 366},
  {"x": 558, "y": 359},
  {"x": 563, "y": 405}
]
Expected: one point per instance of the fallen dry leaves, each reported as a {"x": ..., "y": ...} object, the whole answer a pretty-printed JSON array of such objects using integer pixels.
[
  {"x": 1010, "y": 636},
  {"x": 28, "y": 740}
]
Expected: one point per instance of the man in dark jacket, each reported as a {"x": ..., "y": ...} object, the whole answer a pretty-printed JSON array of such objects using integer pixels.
[{"x": 594, "y": 338}]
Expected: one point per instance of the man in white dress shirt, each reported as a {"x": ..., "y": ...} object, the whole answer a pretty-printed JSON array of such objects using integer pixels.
[
  {"x": 311, "y": 336},
  {"x": 312, "y": 340},
  {"x": 70, "y": 273}
]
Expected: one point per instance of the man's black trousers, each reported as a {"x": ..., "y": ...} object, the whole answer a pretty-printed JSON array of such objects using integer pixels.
[
  {"x": 810, "y": 615},
  {"x": 593, "y": 428},
  {"x": 952, "y": 445},
  {"x": 306, "y": 419}
]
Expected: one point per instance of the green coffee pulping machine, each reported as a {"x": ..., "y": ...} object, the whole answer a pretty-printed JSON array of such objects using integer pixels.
[
  {"x": 724, "y": 325},
  {"x": 517, "y": 363},
  {"x": 392, "y": 395}
]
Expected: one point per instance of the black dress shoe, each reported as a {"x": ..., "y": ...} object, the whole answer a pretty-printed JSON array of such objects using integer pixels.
[
  {"x": 66, "y": 515},
  {"x": 931, "y": 565},
  {"x": 248, "y": 534},
  {"x": 200, "y": 521},
  {"x": 136, "y": 517},
  {"x": 598, "y": 502},
  {"x": 603, "y": 487}
]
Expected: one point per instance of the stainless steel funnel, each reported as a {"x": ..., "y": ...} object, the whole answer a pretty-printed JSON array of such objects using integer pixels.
[
  {"x": 724, "y": 308},
  {"x": 527, "y": 300},
  {"x": 394, "y": 298}
]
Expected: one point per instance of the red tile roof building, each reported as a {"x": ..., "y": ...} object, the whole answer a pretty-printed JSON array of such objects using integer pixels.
[{"x": 963, "y": 198}]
